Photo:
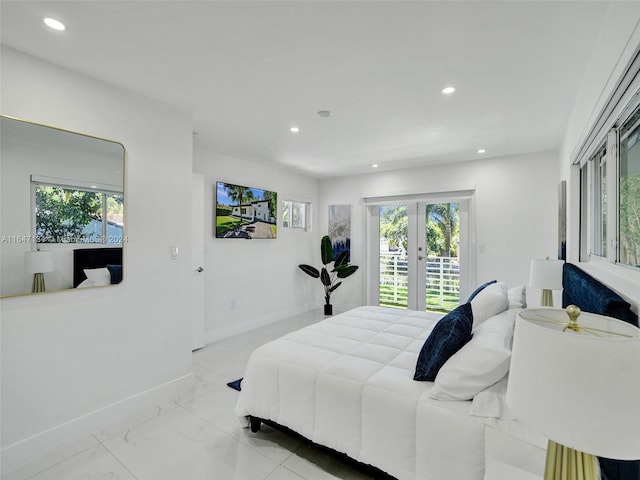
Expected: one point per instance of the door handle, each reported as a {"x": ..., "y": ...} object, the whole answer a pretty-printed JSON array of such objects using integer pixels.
[{"x": 199, "y": 269}]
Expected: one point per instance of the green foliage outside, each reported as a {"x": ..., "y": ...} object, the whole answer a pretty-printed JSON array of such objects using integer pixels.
[
  {"x": 62, "y": 214},
  {"x": 630, "y": 220},
  {"x": 394, "y": 226},
  {"x": 443, "y": 228}
]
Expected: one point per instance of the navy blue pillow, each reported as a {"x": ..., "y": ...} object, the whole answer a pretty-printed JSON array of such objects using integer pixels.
[
  {"x": 479, "y": 289},
  {"x": 116, "y": 273},
  {"x": 447, "y": 337}
]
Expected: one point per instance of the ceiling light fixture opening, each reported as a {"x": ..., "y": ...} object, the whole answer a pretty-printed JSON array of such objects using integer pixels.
[
  {"x": 448, "y": 90},
  {"x": 324, "y": 113},
  {"x": 481, "y": 150},
  {"x": 294, "y": 129},
  {"x": 54, "y": 24},
  {"x": 375, "y": 165}
]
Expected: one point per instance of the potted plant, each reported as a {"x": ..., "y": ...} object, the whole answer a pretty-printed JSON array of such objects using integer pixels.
[{"x": 341, "y": 269}]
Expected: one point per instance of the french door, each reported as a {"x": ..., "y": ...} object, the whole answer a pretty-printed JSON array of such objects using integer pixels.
[{"x": 419, "y": 253}]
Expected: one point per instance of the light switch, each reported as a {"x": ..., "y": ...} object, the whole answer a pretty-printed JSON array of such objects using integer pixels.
[{"x": 175, "y": 252}]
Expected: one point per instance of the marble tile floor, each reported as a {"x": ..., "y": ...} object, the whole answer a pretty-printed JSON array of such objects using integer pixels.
[{"x": 196, "y": 436}]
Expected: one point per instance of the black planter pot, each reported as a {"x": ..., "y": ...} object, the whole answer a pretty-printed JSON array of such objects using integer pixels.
[{"x": 328, "y": 309}]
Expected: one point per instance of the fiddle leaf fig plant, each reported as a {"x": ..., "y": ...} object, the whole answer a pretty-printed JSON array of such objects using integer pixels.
[{"x": 329, "y": 276}]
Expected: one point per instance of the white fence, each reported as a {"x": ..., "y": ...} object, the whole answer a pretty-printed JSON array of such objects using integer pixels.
[{"x": 442, "y": 278}]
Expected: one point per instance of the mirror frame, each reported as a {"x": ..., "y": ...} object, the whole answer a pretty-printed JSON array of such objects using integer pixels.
[{"x": 30, "y": 238}]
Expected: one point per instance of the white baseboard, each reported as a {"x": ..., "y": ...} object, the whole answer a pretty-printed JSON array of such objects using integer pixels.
[{"x": 48, "y": 442}]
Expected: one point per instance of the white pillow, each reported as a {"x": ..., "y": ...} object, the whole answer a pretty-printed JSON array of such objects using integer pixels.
[
  {"x": 489, "y": 302},
  {"x": 517, "y": 297},
  {"x": 85, "y": 284},
  {"x": 98, "y": 276},
  {"x": 491, "y": 402},
  {"x": 483, "y": 361}
]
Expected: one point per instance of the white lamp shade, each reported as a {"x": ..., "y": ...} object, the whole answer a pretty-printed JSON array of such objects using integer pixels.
[
  {"x": 578, "y": 389},
  {"x": 40, "y": 261},
  {"x": 546, "y": 274}
]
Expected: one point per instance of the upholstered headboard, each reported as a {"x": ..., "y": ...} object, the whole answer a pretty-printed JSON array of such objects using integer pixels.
[
  {"x": 93, "y": 258},
  {"x": 590, "y": 295},
  {"x": 581, "y": 289}
]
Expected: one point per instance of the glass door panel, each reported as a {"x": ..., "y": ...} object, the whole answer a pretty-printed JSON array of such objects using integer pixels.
[
  {"x": 394, "y": 266},
  {"x": 442, "y": 266},
  {"x": 420, "y": 251}
]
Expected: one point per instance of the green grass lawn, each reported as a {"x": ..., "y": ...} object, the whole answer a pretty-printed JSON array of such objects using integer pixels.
[
  {"x": 225, "y": 224},
  {"x": 433, "y": 299}
]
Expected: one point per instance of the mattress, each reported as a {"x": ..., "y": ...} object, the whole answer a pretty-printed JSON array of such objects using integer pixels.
[{"x": 347, "y": 383}]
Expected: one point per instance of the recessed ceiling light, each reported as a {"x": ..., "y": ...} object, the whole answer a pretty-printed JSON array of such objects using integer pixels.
[
  {"x": 55, "y": 24},
  {"x": 375, "y": 165},
  {"x": 294, "y": 129},
  {"x": 482, "y": 150},
  {"x": 448, "y": 90},
  {"x": 324, "y": 113}
]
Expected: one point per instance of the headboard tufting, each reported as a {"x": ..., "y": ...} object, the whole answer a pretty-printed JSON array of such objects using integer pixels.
[{"x": 581, "y": 289}]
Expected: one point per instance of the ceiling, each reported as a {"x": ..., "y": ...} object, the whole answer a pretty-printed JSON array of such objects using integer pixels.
[{"x": 248, "y": 71}]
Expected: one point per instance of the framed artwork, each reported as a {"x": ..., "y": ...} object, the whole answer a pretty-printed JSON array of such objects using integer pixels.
[
  {"x": 245, "y": 212},
  {"x": 340, "y": 229}
]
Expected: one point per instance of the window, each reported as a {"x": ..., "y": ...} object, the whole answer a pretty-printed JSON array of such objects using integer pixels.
[
  {"x": 597, "y": 192},
  {"x": 68, "y": 214},
  {"x": 629, "y": 191},
  {"x": 296, "y": 214},
  {"x": 609, "y": 162},
  {"x": 613, "y": 227}
]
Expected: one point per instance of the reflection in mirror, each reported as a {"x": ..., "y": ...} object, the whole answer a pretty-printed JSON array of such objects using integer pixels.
[{"x": 61, "y": 209}]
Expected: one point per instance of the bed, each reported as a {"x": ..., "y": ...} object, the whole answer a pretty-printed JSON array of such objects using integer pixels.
[
  {"x": 347, "y": 383},
  {"x": 97, "y": 266}
]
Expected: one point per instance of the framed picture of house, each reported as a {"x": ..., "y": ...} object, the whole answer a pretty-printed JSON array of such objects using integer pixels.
[{"x": 245, "y": 212}]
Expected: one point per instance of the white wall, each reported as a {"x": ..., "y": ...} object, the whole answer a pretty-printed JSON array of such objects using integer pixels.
[
  {"x": 73, "y": 360},
  {"x": 249, "y": 283},
  {"x": 515, "y": 217},
  {"x": 616, "y": 44}
]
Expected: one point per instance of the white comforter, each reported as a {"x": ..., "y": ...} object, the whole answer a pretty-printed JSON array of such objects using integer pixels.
[{"x": 347, "y": 383}]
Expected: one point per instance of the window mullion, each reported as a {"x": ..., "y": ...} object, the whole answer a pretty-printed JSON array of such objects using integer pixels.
[
  {"x": 612, "y": 194},
  {"x": 104, "y": 218}
]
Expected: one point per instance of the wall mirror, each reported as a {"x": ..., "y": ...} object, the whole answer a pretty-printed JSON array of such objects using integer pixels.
[{"x": 61, "y": 209}]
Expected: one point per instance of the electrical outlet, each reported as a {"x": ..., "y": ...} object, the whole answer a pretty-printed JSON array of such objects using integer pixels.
[{"x": 233, "y": 304}]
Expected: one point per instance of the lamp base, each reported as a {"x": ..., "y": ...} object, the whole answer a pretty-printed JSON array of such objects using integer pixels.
[
  {"x": 546, "y": 299},
  {"x": 38, "y": 282},
  {"x": 564, "y": 463}
]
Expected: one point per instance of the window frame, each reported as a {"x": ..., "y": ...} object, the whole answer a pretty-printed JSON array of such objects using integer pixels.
[
  {"x": 287, "y": 206},
  {"x": 588, "y": 208}
]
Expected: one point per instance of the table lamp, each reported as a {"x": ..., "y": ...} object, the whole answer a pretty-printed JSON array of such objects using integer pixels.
[
  {"x": 38, "y": 262},
  {"x": 547, "y": 275},
  {"x": 577, "y": 381}
]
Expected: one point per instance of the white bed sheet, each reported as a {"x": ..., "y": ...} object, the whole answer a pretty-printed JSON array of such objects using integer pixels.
[{"x": 347, "y": 383}]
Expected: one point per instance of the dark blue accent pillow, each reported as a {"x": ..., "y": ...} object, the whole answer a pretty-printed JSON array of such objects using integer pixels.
[
  {"x": 116, "y": 273},
  {"x": 448, "y": 336},
  {"x": 479, "y": 289}
]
